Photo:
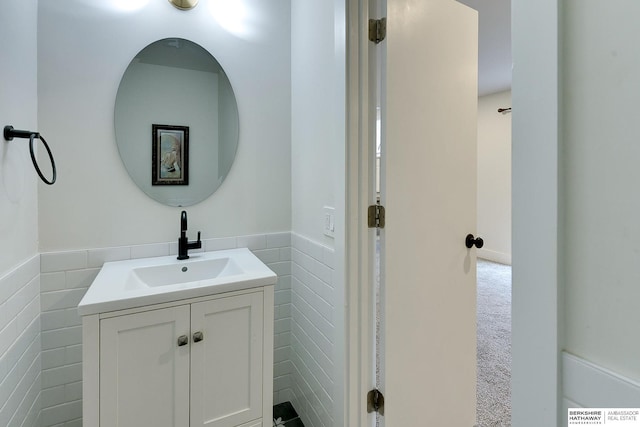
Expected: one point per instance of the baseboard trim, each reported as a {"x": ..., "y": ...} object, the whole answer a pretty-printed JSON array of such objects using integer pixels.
[
  {"x": 591, "y": 386},
  {"x": 494, "y": 256}
]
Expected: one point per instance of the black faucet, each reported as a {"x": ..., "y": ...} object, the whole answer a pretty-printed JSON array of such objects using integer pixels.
[{"x": 183, "y": 242}]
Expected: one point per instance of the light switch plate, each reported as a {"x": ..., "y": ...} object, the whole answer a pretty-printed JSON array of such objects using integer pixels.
[{"x": 329, "y": 221}]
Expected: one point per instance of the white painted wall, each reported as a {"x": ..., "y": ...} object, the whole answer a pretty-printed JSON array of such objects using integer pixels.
[
  {"x": 494, "y": 177},
  {"x": 20, "y": 339},
  {"x": 18, "y": 107},
  {"x": 317, "y": 114},
  {"x": 575, "y": 261},
  {"x": 318, "y": 132},
  {"x": 601, "y": 154},
  {"x": 84, "y": 48}
]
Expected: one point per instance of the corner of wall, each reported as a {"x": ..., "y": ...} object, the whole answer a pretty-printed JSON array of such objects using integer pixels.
[{"x": 20, "y": 339}]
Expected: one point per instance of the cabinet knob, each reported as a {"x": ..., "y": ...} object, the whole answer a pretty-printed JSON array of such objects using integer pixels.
[
  {"x": 183, "y": 340},
  {"x": 198, "y": 336}
]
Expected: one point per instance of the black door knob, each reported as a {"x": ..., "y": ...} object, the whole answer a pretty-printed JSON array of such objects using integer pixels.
[{"x": 471, "y": 240}]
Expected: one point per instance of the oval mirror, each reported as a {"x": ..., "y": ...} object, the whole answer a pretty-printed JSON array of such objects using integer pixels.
[{"x": 176, "y": 122}]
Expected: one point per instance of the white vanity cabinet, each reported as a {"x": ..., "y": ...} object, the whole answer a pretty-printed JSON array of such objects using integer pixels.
[{"x": 205, "y": 361}]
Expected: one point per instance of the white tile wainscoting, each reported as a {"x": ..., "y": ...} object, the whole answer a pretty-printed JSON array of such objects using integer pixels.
[
  {"x": 41, "y": 333},
  {"x": 20, "y": 369},
  {"x": 66, "y": 276},
  {"x": 313, "y": 331}
]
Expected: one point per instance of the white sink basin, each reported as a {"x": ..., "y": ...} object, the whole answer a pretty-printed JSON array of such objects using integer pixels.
[
  {"x": 139, "y": 282},
  {"x": 195, "y": 270}
]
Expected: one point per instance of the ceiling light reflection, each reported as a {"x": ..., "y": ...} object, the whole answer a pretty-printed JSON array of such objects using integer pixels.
[{"x": 233, "y": 16}]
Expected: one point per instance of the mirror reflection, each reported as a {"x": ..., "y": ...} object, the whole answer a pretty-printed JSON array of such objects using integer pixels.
[{"x": 176, "y": 122}]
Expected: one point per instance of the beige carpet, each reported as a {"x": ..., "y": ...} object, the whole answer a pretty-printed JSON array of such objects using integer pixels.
[{"x": 494, "y": 344}]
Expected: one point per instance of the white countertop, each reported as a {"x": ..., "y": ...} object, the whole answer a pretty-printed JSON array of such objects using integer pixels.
[{"x": 121, "y": 284}]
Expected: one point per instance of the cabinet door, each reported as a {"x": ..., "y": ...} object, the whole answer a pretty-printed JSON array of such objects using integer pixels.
[
  {"x": 144, "y": 373},
  {"x": 226, "y": 365}
]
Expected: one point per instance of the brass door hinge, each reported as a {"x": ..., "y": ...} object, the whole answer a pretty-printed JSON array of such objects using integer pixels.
[
  {"x": 375, "y": 402},
  {"x": 377, "y": 30},
  {"x": 376, "y": 215}
]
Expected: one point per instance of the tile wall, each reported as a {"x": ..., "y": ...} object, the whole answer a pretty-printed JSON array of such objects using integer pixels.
[
  {"x": 20, "y": 344},
  {"x": 65, "y": 277},
  {"x": 313, "y": 313}
]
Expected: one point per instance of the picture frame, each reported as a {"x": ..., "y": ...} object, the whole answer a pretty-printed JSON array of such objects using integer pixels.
[{"x": 169, "y": 155}]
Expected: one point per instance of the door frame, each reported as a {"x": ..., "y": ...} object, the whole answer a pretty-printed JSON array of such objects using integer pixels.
[
  {"x": 536, "y": 323},
  {"x": 360, "y": 310},
  {"x": 536, "y": 253}
]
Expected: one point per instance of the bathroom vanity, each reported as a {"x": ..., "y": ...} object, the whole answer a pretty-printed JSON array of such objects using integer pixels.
[{"x": 179, "y": 343}]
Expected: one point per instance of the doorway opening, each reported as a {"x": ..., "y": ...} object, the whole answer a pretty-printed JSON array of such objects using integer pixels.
[
  {"x": 428, "y": 278},
  {"x": 493, "y": 315},
  {"x": 493, "y": 312}
]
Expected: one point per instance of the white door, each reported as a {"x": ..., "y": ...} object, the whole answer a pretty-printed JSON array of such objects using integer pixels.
[
  {"x": 144, "y": 371},
  {"x": 429, "y": 108},
  {"x": 226, "y": 361}
]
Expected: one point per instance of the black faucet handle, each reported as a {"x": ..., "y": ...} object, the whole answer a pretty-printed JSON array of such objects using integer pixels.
[{"x": 196, "y": 244}]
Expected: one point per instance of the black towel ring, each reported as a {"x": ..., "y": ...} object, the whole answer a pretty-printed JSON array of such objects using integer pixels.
[{"x": 10, "y": 133}]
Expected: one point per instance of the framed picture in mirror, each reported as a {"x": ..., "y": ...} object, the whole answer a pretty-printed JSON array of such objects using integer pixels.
[{"x": 170, "y": 155}]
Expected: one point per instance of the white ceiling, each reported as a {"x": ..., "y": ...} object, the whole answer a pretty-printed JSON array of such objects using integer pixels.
[{"x": 494, "y": 55}]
